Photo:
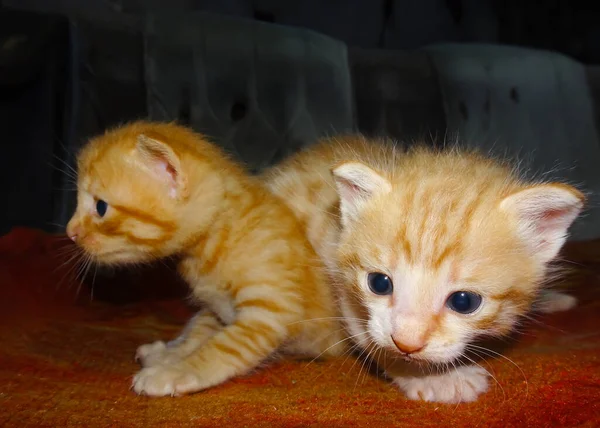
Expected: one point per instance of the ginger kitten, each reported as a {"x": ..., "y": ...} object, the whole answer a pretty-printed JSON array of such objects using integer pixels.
[
  {"x": 150, "y": 190},
  {"x": 431, "y": 251}
]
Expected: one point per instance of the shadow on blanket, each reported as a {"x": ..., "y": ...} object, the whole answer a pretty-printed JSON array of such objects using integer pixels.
[{"x": 67, "y": 359}]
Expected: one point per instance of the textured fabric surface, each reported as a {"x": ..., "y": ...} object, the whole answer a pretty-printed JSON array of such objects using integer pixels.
[
  {"x": 261, "y": 91},
  {"x": 397, "y": 95},
  {"x": 68, "y": 361},
  {"x": 392, "y": 24}
]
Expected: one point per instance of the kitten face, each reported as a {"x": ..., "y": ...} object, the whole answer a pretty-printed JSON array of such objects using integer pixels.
[
  {"x": 432, "y": 264},
  {"x": 126, "y": 205},
  {"x": 432, "y": 308}
]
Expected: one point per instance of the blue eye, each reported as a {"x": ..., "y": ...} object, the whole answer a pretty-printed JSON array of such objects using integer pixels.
[
  {"x": 464, "y": 302},
  {"x": 101, "y": 207},
  {"x": 380, "y": 283}
]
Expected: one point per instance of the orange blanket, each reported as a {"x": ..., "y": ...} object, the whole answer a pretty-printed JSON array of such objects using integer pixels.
[{"x": 69, "y": 361}]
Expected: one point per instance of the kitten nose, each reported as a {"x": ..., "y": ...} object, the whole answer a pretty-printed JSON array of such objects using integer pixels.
[
  {"x": 408, "y": 348},
  {"x": 73, "y": 231}
]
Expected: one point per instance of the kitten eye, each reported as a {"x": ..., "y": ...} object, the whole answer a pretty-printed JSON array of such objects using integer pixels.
[
  {"x": 380, "y": 283},
  {"x": 101, "y": 207},
  {"x": 464, "y": 302}
]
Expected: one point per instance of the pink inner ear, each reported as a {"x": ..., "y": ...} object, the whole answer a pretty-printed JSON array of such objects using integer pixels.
[
  {"x": 168, "y": 174},
  {"x": 544, "y": 215},
  {"x": 552, "y": 218},
  {"x": 550, "y": 227},
  {"x": 554, "y": 214},
  {"x": 171, "y": 171},
  {"x": 165, "y": 168},
  {"x": 354, "y": 189}
]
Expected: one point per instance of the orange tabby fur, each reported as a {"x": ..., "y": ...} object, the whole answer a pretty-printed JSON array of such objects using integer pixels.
[
  {"x": 169, "y": 191},
  {"x": 434, "y": 224}
]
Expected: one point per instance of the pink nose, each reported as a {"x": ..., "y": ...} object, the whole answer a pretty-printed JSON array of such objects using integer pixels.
[
  {"x": 73, "y": 231},
  {"x": 408, "y": 348}
]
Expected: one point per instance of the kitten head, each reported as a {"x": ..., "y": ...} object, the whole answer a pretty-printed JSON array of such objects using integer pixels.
[
  {"x": 133, "y": 191},
  {"x": 439, "y": 249}
]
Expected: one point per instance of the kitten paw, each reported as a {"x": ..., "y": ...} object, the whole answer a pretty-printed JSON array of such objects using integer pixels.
[
  {"x": 160, "y": 381},
  {"x": 461, "y": 385}
]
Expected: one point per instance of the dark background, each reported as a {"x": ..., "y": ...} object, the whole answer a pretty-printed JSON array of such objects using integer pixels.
[{"x": 69, "y": 69}]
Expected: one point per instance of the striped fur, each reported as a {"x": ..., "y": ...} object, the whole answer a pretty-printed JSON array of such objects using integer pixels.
[
  {"x": 171, "y": 192},
  {"x": 436, "y": 223}
]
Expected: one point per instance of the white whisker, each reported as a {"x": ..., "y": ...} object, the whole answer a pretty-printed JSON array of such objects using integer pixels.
[
  {"x": 495, "y": 354},
  {"x": 335, "y": 344}
]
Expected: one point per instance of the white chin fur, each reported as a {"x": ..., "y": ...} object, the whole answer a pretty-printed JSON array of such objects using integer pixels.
[{"x": 445, "y": 355}]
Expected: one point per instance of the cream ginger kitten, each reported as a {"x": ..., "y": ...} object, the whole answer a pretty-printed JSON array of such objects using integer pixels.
[
  {"x": 431, "y": 251},
  {"x": 150, "y": 190}
]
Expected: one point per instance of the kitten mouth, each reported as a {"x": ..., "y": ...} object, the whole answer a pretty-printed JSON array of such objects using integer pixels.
[
  {"x": 408, "y": 353},
  {"x": 404, "y": 356},
  {"x": 412, "y": 359}
]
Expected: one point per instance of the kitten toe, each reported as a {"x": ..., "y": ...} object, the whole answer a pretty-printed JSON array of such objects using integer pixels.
[
  {"x": 151, "y": 353},
  {"x": 464, "y": 384},
  {"x": 148, "y": 381},
  {"x": 161, "y": 381}
]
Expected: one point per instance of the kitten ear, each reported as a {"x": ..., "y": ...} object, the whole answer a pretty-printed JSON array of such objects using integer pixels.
[
  {"x": 164, "y": 163},
  {"x": 356, "y": 184},
  {"x": 544, "y": 214}
]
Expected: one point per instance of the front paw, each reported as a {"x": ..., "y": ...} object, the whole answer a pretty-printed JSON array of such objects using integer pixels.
[
  {"x": 162, "y": 380},
  {"x": 462, "y": 384}
]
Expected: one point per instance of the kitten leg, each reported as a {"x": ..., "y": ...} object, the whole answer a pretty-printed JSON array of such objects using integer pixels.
[
  {"x": 198, "y": 330},
  {"x": 233, "y": 351},
  {"x": 461, "y": 384},
  {"x": 550, "y": 301}
]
